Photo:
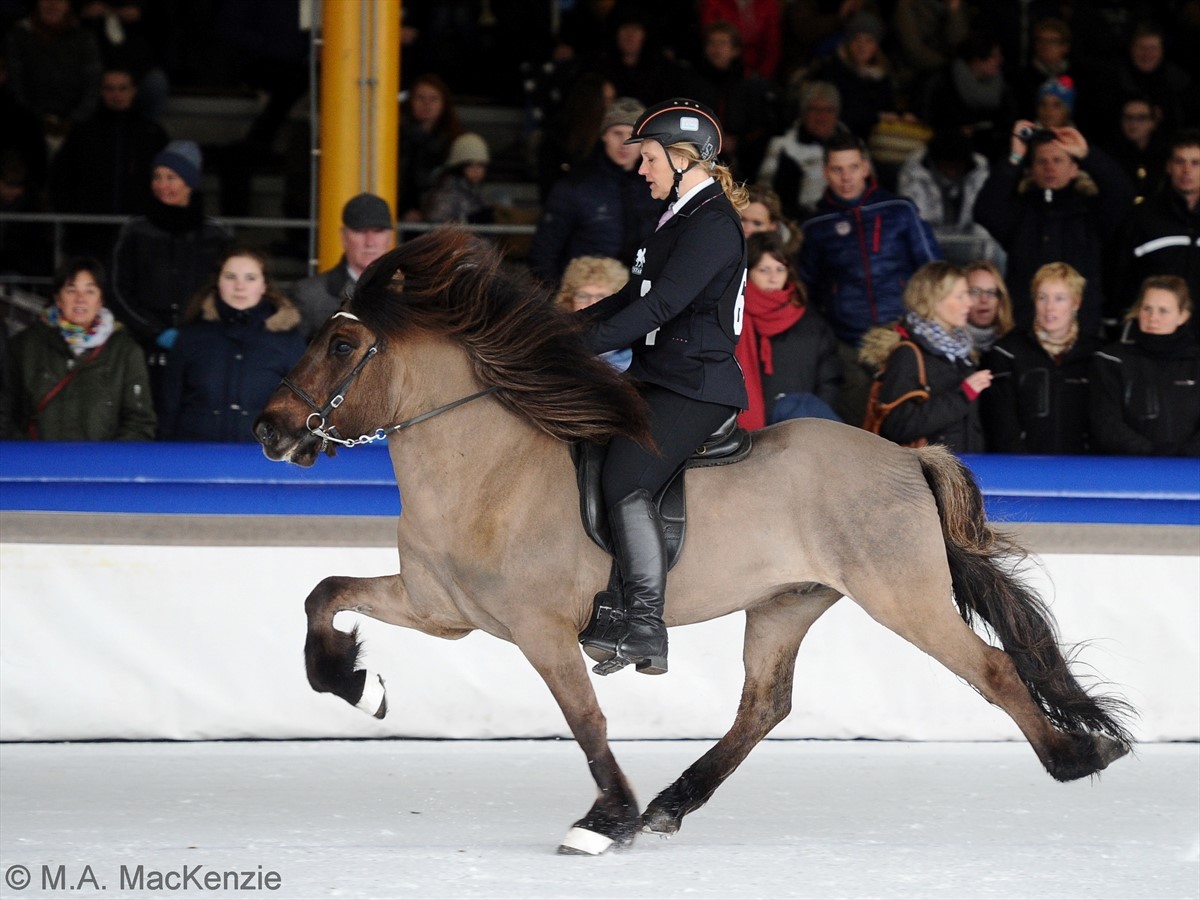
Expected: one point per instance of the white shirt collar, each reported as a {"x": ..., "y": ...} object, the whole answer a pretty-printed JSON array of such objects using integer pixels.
[{"x": 679, "y": 204}]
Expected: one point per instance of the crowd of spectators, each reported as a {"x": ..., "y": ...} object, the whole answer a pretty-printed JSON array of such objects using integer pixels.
[{"x": 1037, "y": 149}]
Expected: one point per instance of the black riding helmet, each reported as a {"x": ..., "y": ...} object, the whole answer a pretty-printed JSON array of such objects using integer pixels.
[{"x": 680, "y": 121}]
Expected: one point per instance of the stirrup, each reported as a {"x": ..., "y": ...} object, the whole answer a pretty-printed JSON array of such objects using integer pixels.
[{"x": 647, "y": 665}]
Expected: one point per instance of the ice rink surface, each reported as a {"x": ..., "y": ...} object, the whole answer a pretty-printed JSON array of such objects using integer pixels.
[{"x": 483, "y": 819}]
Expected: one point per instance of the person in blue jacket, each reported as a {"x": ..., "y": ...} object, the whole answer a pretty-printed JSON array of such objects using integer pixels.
[
  {"x": 236, "y": 341},
  {"x": 858, "y": 253},
  {"x": 681, "y": 312}
]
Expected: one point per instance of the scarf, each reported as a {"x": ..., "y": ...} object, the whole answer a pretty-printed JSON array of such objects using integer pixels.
[
  {"x": 976, "y": 94},
  {"x": 955, "y": 344},
  {"x": 768, "y": 313},
  {"x": 79, "y": 338},
  {"x": 984, "y": 338},
  {"x": 1056, "y": 350}
]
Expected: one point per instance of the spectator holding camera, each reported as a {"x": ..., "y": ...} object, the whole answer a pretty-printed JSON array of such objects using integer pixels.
[{"x": 1055, "y": 199}]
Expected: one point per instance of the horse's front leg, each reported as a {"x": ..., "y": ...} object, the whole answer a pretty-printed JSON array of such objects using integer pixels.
[
  {"x": 773, "y": 636},
  {"x": 613, "y": 819},
  {"x": 330, "y": 655}
]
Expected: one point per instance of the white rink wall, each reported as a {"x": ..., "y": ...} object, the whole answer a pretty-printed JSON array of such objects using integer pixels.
[{"x": 206, "y": 642}]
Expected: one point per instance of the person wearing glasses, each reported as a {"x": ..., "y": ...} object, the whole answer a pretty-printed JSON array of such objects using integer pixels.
[
  {"x": 991, "y": 315},
  {"x": 1038, "y": 402},
  {"x": 587, "y": 281}
]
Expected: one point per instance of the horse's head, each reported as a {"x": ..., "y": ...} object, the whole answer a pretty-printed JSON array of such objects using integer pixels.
[{"x": 334, "y": 390}]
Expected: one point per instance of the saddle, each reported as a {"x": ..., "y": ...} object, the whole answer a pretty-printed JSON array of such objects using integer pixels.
[{"x": 727, "y": 445}]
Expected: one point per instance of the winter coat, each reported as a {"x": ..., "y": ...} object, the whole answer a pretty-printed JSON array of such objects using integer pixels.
[
  {"x": 457, "y": 199},
  {"x": 160, "y": 261},
  {"x": 805, "y": 360},
  {"x": 597, "y": 210},
  {"x": 102, "y": 166},
  {"x": 950, "y": 416},
  {"x": 919, "y": 184},
  {"x": 680, "y": 310},
  {"x": 864, "y": 95},
  {"x": 224, "y": 366},
  {"x": 319, "y": 296},
  {"x": 54, "y": 74},
  {"x": 1162, "y": 237},
  {"x": 108, "y": 400},
  {"x": 794, "y": 167},
  {"x": 1034, "y": 404},
  {"x": 858, "y": 255},
  {"x": 1073, "y": 225},
  {"x": 1145, "y": 398}
]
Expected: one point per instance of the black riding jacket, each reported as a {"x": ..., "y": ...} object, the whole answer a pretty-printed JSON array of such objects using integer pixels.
[{"x": 681, "y": 310}]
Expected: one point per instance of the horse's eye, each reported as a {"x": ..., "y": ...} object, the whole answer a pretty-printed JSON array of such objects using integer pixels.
[{"x": 340, "y": 347}]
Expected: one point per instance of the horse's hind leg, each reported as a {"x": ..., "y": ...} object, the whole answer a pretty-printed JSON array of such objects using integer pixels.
[
  {"x": 330, "y": 655},
  {"x": 773, "y": 635},
  {"x": 925, "y": 616}
]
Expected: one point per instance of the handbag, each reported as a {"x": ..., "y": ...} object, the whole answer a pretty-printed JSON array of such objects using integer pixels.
[{"x": 878, "y": 411}]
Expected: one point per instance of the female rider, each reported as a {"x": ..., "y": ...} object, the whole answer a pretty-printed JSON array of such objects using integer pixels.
[{"x": 681, "y": 312}]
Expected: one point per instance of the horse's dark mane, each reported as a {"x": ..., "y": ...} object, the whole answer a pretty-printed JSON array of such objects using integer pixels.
[{"x": 450, "y": 283}]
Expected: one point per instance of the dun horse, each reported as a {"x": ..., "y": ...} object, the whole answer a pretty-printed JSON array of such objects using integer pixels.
[{"x": 479, "y": 385}]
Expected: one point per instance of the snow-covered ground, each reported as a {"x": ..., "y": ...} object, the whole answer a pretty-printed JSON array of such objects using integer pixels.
[{"x": 483, "y": 819}]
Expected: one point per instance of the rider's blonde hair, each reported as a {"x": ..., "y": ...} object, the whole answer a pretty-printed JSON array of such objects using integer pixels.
[{"x": 736, "y": 193}]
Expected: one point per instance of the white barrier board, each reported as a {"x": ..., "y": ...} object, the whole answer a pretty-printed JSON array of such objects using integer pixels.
[{"x": 144, "y": 642}]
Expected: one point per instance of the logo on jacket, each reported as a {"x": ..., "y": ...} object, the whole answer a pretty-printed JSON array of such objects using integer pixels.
[
  {"x": 842, "y": 228},
  {"x": 639, "y": 261}
]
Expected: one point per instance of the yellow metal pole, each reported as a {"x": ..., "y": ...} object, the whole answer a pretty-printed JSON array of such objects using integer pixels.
[{"x": 358, "y": 111}]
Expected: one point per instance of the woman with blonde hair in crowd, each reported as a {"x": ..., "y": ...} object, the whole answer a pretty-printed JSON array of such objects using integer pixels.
[
  {"x": 1039, "y": 397},
  {"x": 1145, "y": 398},
  {"x": 941, "y": 407},
  {"x": 588, "y": 280},
  {"x": 991, "y": 316}
]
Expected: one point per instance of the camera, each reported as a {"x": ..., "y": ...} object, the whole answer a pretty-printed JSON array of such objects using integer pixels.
[{"x": 1033, "y": 134}]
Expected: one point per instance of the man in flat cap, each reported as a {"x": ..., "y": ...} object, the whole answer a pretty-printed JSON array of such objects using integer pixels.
[{"x": 367, "y": 233}]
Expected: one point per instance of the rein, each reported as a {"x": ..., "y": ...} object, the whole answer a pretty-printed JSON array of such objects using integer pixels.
[{"x": 320, "y": 413}]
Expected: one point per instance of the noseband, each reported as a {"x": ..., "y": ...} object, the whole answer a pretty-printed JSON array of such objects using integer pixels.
[{"x": 320, "y": 413}]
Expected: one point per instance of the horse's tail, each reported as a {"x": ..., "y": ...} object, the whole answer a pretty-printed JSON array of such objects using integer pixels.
[{"x": 983, "y": 569}]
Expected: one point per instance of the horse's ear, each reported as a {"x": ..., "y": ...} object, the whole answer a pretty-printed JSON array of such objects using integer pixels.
[{"x": 381, "y": 275}]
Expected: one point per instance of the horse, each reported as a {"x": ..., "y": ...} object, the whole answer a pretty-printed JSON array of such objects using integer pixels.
[{"x": 480, "y": 386}]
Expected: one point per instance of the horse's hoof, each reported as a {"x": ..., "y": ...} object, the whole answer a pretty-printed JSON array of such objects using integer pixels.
[
  {"x": 374, "y": 696},
  {"x": 1109, "y": 750},
  {"x": 660, "y": 822},
  {"x": 581, "y": 842}
]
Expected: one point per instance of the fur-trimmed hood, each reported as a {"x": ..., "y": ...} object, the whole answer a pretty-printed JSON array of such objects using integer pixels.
[
  {"x": 878, "y": 342},
  {"x": 285, "y": 317}
]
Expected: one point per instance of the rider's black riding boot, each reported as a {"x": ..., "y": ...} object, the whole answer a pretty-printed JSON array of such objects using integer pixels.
[{"x": 642, "y": 557}]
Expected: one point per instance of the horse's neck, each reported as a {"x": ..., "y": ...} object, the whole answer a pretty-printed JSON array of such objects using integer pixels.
[{"x": 472, "y": 461}]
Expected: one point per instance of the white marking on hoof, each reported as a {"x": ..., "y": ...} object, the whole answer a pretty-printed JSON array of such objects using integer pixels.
[
  {"x": 373, "y": 695},
  {"x": 584, "y": 842}
]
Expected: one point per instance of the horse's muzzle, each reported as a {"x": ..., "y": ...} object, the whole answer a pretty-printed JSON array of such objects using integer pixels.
[{"x": 280, "y": 444}]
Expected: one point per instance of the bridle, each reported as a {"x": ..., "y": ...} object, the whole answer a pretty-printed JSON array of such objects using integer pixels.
[{"x": 321, "y": 413}]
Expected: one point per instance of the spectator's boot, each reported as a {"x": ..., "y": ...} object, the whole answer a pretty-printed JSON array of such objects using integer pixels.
[{"x": 642, "y": 557}]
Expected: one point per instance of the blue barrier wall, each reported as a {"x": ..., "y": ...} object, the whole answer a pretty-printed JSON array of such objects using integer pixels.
[{"x": 236, "y": 479}]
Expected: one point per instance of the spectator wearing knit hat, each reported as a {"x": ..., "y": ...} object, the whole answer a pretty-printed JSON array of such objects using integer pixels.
[
  {"x": 1056, "y": 102},
  {"x": 162, "y": 258},
  {"x": 602, "y": 208},
  {"x": 458, "y": 194}
]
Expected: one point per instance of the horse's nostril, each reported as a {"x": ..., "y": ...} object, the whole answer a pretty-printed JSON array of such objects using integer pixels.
[{"x": 263, "y": 431}]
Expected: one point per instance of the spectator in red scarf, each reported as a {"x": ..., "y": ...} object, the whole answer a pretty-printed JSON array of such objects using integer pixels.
[{"x": 787, "y": 352}]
